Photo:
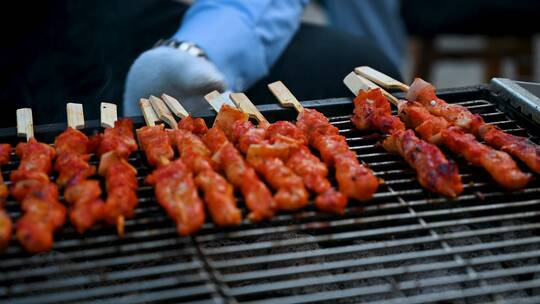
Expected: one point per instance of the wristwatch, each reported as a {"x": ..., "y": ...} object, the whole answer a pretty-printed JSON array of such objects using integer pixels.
[{"x": 185, "y": 46}]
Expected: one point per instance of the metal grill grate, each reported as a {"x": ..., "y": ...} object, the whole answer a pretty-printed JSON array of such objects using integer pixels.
[{"x": 405, "y": 245}]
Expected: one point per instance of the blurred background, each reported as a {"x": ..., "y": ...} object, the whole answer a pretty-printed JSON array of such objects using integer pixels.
[
  {"x": 460, "y": 43},
  {"x": 80, "y": 51}
]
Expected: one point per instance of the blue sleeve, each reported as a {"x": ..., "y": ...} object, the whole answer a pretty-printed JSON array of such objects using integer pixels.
[
  {"x": 242, "y": 38},
  {"x": 379, "y": 20}
]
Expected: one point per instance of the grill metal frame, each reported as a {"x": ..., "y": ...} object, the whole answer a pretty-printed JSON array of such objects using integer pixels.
[{"x": 406, "y": 245}]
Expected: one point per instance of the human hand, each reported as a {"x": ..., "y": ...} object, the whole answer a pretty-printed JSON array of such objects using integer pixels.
[{"x": 173, "y": 72}]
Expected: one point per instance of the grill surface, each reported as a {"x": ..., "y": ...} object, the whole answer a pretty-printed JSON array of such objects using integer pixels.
[{"x": 404, "y": 246}]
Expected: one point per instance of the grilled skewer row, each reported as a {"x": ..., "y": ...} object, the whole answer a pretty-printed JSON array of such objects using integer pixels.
[
  {"x": 354, "y": 180},
  {"x": 434, "y": 172},
  {"x": 290, "y": 191},
  {"x": 218, "y": 192},
  {"x": 520, "y": 147},
  {"x": 502, "y": 168},
  {"x": 279, "y": 152},
  {"x": 228, "y": 159}
]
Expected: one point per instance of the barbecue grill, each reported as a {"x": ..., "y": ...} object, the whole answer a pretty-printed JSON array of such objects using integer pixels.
[{"x": 406, "y": 245}]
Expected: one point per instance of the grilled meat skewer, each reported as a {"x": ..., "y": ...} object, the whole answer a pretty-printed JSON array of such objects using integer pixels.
[
  {"x": 113, "y": 148},
  {"x": 173, "y": 181},
  {"x": 31, "y": 186},
  {"x": 434, "y": 172},
  {"x": 83, "y": 195},
  {"x": 354, "y": 180}
]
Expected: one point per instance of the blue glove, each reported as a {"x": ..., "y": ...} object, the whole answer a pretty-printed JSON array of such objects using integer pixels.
[{"x": 173, "y": 72}]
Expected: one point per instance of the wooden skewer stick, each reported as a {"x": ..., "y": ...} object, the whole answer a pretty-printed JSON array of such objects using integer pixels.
[
  {"x": 150, "y": 117},
  {"x": 25, "y": 123},
  {"x": 243, "y": 103},
  {"x": 108, "y": 114},
  {"x": 175, "y": 106},
  {"x": 216, "y": 100},
  {"x": 355, "y": 83},
  {"x": 75, "y": 115},
  {"x": 163, "y": 112},
  {"x": 381, "y": 79},
  {"x": 284, "y": 96}
]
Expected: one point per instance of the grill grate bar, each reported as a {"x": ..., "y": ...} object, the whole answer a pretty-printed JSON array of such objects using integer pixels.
[
  {"x": 422, "y": 283},
  {"x": 391, "y": 289},
  {"x": 382, "y": 244},
  {"x": 380, "y": 259},
  {"x": 90, "y": 253},
  {"x": 411, "y": 228},
  {"x": 111, "y": 290},
  {"x": 113, "y": 276},
  {"x": 103, "y": 263},
  {"x": 400, "y": 216},
  {"x": 162, "y": 296}
]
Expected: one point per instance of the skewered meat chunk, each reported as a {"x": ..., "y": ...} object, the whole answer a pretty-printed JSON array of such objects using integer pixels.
[
  {"x": 424, "y": 93},
  {"x": 73, "y": 169},
  {"x": 499, "y": 164},
  {"x": 72, "y": 141},
  {"x": 434, "y": 171},
  {"x": 5, "y": 153},
  {"x": 43, "y": 214},
  {"x": 195, "y": 125},
  {"x": 282, "y": 128},
  {"x": 226, "y": 119},
  {"x": 155, "y": 143},
  {"x": 245, "y": 134},
  {"x": 218, "y": 193},
  {"x": 520, "y": 147},
  {"x": 72, "y": 148},
  {"x": 418, "y": 117},
  {"x": 121, "y": 186},
  {"x": 6, "y": 229},
  {"x": 372, "y": 111},
  {"x": 219, "y": 196},
  {"x": 290, "y": 191},
  {"x": 119, "y": 139},
  {"x": 354, "y": 180},
  {"x": 36, "y": 161},
  {"x": 177, "y": 194},
  {"x": 517, "y": 146},
  {"x": 86, "y": 205},
  {"x": 6, "y": 226},
  {"x": 258, "y": 198}
]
